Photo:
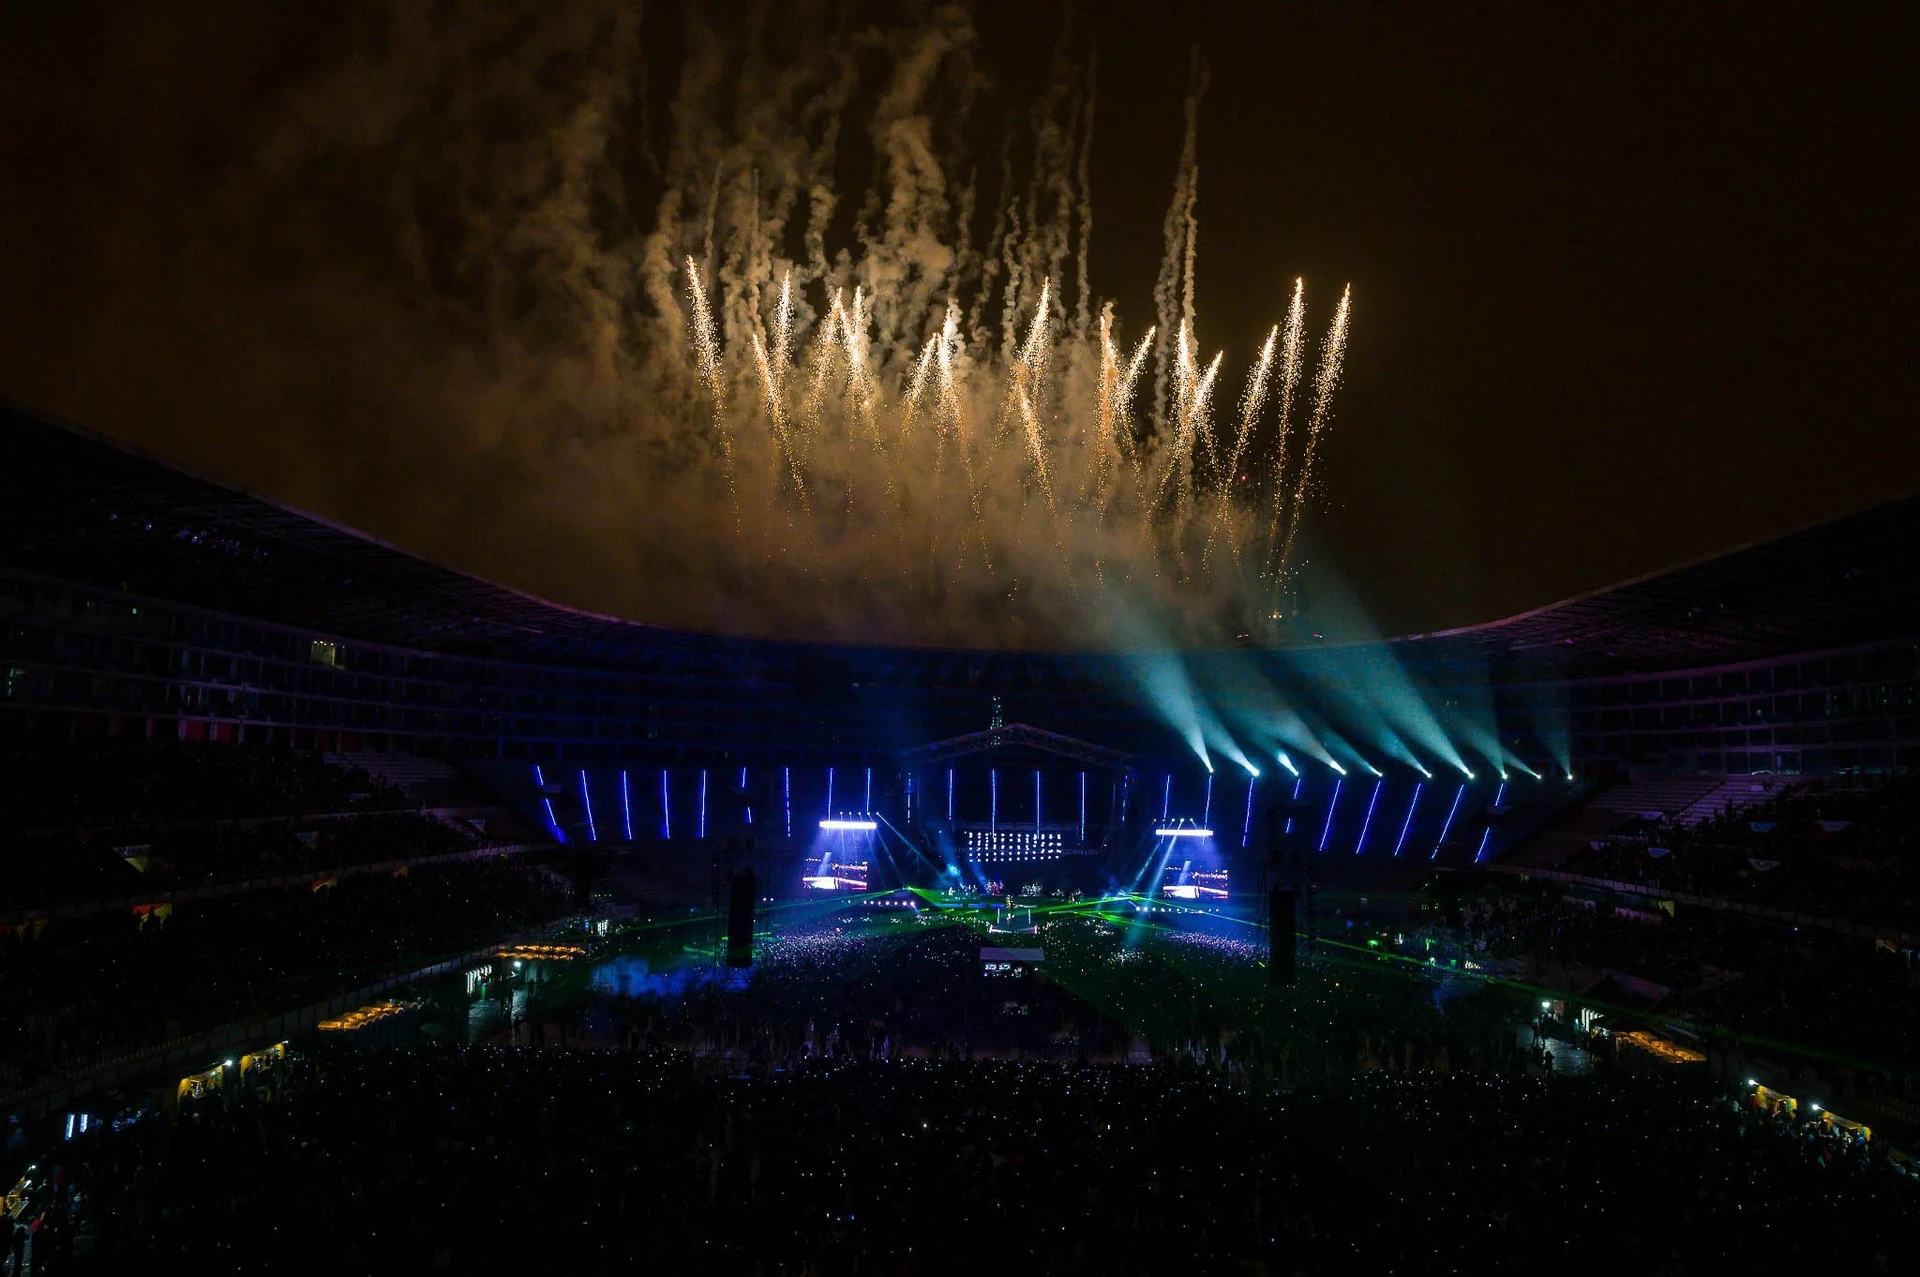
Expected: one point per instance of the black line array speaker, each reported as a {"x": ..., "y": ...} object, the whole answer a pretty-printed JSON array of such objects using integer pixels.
[
  {"x": 1280, "y": 910},
  {"x": 742, "y": 892},
  {"x": 584, "y": 871}
]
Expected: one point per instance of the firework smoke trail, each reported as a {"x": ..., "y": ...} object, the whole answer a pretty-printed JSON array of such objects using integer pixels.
[
  {"x": 1251, "y": 403},
  {"x": 1114, "y": 408},
  {"x": 1029, "y": 372},
  {"x": 910, "y": 404},
  {"x": 1173, "y": 291},
  {"x": 1292, "y": 340},
  {"x": 1332, "y": 355},
  {"x": 861, "y": 390},
  {"x": 1125, "y": 495},
  {"x": 770, "y": 395},
  {"x": 1202, "y": 427},
  {"x": 706, "y": 346},
  {"x": 1185, "y": 377},
  {"x": 773, "y": 384},
  {"x": 1106, "y": 437},
  {"x": 1123, "y": 396},
  {"x": 953, "y": 422},
  {"x": 1028, "y": 385},
  {"x": 829, "y": 336},
  {"x": 1085, "y": 183},
  {"x": 951, "y": 414},
  {"x": 783, "y": 336}
]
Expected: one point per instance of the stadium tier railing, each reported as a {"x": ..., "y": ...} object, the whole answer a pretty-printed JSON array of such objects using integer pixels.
[
  {"x": 258, "y": 882},
  {"x": 1719, "y": 904}
]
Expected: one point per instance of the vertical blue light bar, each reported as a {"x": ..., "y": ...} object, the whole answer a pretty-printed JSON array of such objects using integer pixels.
[
  {"x": 626, "y": 806},
  {"x": 1166, "y": 799},
  {"x": 829, "y": 793},
  {"x": 666, "y": 807},
  {"x": 869, "y": 807},
  {"x": 1331, "y": 804},
  {"x": 786, "y": 796},
  {"x": 1246, "y": 825},
  {"x": 1036, "y": 800},
  {"x": 1458, "y": 794},
  {"x": 949, "y": 793},
  {"x": 1367, "y": 824},
  {"x": 1206, "y": 813},
  {"x": 1298, "y": 782},
  {"x": 586, "y": 798},
  {"x": 993, "y": 811},
  {"x": 1408, "y": 822},
  {"x": 1083, "y": 806},
  {"x": 540, "y": 779},
  {"x": 1481, "y": 853},
  {"x": 703, "y": 802},
  {"x": 909, "y": 798},
  {"x": 743, "y": 778},
  {"x": 1502, "y": 793}
]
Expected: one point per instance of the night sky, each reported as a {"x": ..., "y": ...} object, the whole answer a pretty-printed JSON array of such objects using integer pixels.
[{"x": 1627, "y": 291}]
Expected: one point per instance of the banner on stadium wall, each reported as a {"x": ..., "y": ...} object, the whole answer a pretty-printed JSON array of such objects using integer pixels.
[
  {"x": 1763, "y": 826},
  {"x": 160, "y": 909},
  {"x": 1763, "y": 865},
  {"x": 139, "y": 855},
  {"x": 1832, "y": 826},
  {"x": 329, "y": 881},
  {"x": 1659, "y": 851}
]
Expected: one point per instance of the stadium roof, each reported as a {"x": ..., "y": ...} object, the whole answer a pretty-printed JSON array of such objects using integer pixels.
[{"x": 79, "y": 507}]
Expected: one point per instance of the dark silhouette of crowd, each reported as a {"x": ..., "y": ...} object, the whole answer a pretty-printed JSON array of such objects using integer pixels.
[{"x": 583, "y": 1161}]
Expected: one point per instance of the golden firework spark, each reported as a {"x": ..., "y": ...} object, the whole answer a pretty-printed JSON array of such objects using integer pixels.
[{"x": 1332, "y": 354}]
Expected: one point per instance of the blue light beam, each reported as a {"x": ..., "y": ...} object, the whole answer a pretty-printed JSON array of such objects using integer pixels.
[
  {"x": 1452, "y": 811},
  {"x": 1361, "y": 843},
  {"x": 1333, "y": 802},
  {"x": 1407, "y": 824}
]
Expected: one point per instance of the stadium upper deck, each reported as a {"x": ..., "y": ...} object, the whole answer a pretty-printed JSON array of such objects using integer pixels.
[{"x": 82, "y": 515}]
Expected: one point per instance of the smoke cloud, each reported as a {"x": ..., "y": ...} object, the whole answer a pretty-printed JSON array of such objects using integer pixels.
[{"x": 710, "y": 316}]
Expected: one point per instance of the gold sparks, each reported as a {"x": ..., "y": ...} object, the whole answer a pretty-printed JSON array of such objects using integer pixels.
[
  {"x": 1112, "y": 494},
  {"x": 1333, "y": 353}
]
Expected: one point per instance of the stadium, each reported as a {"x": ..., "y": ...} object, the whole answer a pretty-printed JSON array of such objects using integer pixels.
[
  {"x": 194, "y": 675},
  {"x": 625, "y": 644}
]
